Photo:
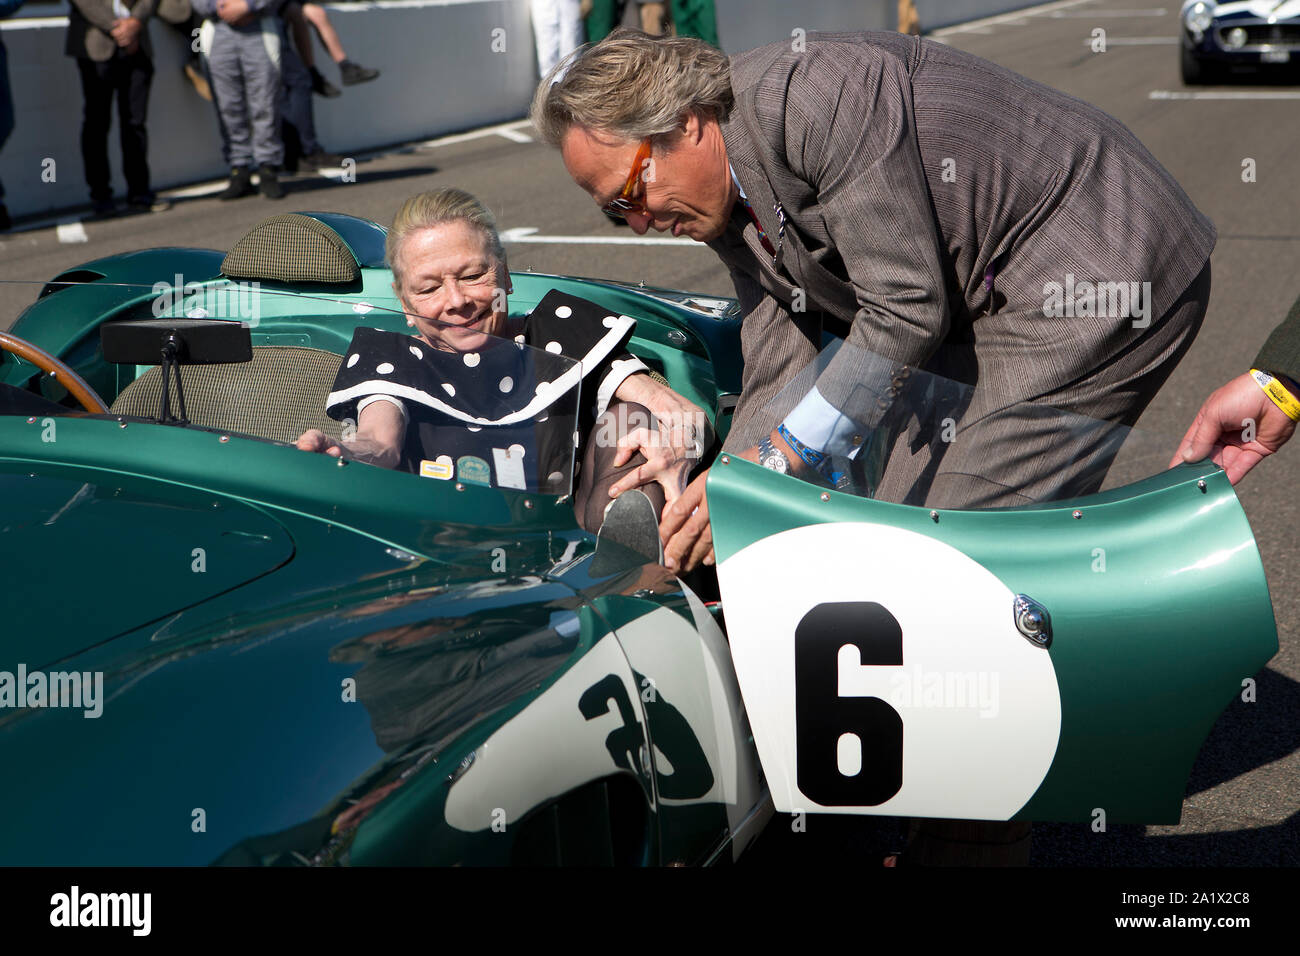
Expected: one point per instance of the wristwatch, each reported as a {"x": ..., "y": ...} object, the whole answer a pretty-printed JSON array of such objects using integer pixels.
[{"x": 769, "y": 456}]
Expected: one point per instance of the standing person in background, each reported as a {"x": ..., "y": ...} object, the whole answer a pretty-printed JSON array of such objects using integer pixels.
[
  {"x": 908, "y": 21},
  {"x": 301, "y": 147},
  {"x": 557, "y": 25},
  {"x": 352, "y": 73},
  {"x": 111, "y": 47},
  {"x": 603, "y": 16},
  {"x": 245, "y": 39},
  {"x": 7, "y": 9},
  {"x": 695, "y": 18}
]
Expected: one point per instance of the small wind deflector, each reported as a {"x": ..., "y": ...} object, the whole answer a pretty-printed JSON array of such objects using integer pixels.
[{"x": 172, "y": 343}]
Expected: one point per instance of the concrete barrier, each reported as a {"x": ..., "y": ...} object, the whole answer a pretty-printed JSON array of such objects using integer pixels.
[
  {"x": 447, "y": 65},
  {"x": 745, "y": 24}
]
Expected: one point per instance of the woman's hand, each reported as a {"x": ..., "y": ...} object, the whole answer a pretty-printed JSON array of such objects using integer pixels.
[
  {"x": 316, "y": 440},
  {"x": 381, "y": 428},
  {"x": 671, "y": 450}
]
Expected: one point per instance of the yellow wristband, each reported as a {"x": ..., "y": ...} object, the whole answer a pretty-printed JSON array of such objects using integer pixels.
[{"x": 1278, "y": 393}]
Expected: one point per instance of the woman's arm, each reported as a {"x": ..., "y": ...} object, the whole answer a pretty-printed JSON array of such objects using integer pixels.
[{"x": 381, "y": 431}]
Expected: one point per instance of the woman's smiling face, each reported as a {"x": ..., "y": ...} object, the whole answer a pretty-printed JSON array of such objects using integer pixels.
[{"x": 452, "y": 286}]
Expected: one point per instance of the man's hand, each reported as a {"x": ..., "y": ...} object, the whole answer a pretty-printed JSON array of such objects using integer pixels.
[
  {"x": 685, "y": 530},
  {"x": 1240, "y": 424},
  {"x": 234, "y": 12},
  {"x": 126, "y": 32},
  {"x": 316, "y": 440}
]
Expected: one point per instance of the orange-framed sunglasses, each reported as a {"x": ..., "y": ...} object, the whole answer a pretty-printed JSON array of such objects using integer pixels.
[{"x": 624, "y": 203}]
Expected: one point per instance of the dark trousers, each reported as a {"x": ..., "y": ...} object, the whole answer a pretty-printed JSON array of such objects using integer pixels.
[
  {"x": 6, "y": 105},
  {"x": 128, "y": 77}
]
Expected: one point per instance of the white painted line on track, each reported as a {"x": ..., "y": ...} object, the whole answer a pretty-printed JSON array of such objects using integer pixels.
[
  {"x": 1137, "y": 41},
  {"x": 500, "y": 130},
  {"x": 1108, "y": 14},
  {"x": 1015, "y": 18},
  {"x": 1223, "y": 95},
  {"x": 210, "y": 188},
  {"x": 515, "y": 136},
  {"x": 529, "y": 234},
  {"x": 72, "y": 232}
]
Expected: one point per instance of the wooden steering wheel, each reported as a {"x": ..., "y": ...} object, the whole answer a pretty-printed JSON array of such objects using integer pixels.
[{"x": 62, "y": 373}]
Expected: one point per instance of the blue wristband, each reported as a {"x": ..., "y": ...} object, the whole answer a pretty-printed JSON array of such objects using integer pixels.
[{"x": 811, "y": 457}]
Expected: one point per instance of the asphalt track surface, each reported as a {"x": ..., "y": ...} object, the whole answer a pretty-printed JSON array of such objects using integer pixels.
[{"x": 1244, "y": 793}]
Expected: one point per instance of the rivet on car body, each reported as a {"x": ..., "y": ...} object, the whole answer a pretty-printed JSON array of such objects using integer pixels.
[
  {"x": 121, "y": 424},
  {"x": 459, "y": 486},
  {"x": 726, "y": 459},
  {"x": 342, "y": 462},
  {"x": 31, "y": 421},
  {"x": 826, "y": 496},
  {"x": 1077, "y": 514},
  {"x": 935, "y": 516},
  {"x": 1201, "y": 484},
  {"x": 528, "y": 504},
  {"x": 1032, "y": 620},
  {"x": 224, "y": 438},
  {"x": 462, "y": 767}
]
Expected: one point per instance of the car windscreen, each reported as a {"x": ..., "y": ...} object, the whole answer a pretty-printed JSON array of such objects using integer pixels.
[
  {"x": 492, "y": 409},
  {"x": 902, "y": 434}
]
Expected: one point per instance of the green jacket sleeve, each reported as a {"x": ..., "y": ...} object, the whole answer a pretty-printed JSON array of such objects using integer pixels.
[{"x": 1281, "y": 352}]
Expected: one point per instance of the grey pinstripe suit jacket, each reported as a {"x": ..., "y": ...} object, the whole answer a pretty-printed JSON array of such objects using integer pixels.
[{"x": 852, "y": 137}]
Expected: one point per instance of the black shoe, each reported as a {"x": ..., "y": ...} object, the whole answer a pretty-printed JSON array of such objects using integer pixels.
[
  {"x": 103, "y": 209},
  {"x": 323, "y": 87},
  {"x": 5, "y": 221},
  {"x": 241, "y": 184},
  {"x": 320, "y": 160},
  {"x": 147, "y": 204},
  {"x": 268, "y": 182},
  {"x": 354, "y": 73}
]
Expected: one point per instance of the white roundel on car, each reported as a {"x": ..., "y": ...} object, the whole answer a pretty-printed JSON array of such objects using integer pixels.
[{"x": 905, "y": 639}]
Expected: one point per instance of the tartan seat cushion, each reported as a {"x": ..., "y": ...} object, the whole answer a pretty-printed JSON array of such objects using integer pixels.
[
  {"x": 278, "y": 395},
  {"x": 292, "y": 248}
]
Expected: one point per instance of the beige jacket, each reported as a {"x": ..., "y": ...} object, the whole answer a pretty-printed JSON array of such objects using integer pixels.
[{"x": 90, "y": 23}]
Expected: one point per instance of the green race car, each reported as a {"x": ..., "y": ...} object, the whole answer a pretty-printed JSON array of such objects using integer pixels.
[{"x": 221, "y": 649}]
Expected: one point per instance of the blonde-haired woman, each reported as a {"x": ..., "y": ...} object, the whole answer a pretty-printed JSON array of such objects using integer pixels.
[{"x": 455, "y": 400}]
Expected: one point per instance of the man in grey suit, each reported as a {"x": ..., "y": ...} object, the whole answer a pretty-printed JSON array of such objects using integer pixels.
[
  {"x": 932, "y": 208},
  {"x": 935, "y": 210},
  {"x": 110, "y": 41}
]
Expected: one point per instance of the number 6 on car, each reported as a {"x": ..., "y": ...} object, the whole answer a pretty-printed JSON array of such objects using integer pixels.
[{"x": 977, "y": 667}]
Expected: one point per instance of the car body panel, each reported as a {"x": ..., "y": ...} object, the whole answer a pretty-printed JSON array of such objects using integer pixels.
[{"x": 1145, "y": 652}]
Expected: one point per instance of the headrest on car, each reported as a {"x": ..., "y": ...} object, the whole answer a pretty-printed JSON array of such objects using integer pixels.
[{"x": 292, "y": 247}]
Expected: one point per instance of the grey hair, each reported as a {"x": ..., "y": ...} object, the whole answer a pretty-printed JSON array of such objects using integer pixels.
[
  {"x": 437, "y": 207},
  {"x": 633, "y": 85}
]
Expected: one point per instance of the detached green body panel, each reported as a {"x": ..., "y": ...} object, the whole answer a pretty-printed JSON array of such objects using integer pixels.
[{"x": 1147, "y": 652}]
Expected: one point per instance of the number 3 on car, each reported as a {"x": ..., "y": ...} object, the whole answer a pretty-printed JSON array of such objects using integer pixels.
[{"x": 978, "y": 666}]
